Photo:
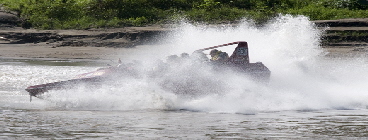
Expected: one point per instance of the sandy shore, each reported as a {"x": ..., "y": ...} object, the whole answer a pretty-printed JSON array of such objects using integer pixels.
[
  {"x": 48, "y": 51},
  {"x": 43, "y": 50},
  {"x": 341, "y": 52},
  {"x": 105, "y": 44}
]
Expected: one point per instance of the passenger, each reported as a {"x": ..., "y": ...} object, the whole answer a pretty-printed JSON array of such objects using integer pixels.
[
  {"x": 184, "y": 58},
  {"x": 214, "y": 54},
  {"x": 199, "y": 55},
  {"x": 184, "y": 55},
  {"x": 173, "y": 59},
  {"x": 223, "y": 56},
  {"x": 218, "y": 56}
]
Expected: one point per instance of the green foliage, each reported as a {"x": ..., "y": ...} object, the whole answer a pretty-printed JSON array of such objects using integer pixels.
[
  {"x": 209, "y": 5},
  {"x": 139, "y": 21},
  {"x": 217, "y": 15},
  {"x": 82, "y": 14},
  {"x": 317, "y": 12}
]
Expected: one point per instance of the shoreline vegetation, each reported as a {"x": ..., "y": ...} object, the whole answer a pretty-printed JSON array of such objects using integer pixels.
[
  {"x": 106, "y": 29},
  {"x": 86, "y": 14}
]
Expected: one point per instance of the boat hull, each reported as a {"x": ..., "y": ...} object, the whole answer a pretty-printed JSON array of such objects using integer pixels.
[
  {"x": 40, "y": 89},
  {"x": 238, "y": 62}
]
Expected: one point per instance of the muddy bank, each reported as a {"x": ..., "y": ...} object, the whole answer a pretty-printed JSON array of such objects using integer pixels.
[
  {"x": 345, "y": 37},
  {"x": 95, "y": 44},
  {"x": 12, "y": 33},
  {"x": 117, "y": 37},
  {"x": 341, "y": 37},
  {"x": 338, "y": 33}
]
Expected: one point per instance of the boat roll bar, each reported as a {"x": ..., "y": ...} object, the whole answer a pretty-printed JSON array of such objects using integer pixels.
[{"x": 218, "y": 46}]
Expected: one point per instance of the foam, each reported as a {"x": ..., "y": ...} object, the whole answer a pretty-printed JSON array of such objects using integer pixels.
[{"x": 301, "y": 78}]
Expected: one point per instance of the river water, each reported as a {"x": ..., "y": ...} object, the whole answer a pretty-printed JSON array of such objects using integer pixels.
[{"x": 309, "y": 96}]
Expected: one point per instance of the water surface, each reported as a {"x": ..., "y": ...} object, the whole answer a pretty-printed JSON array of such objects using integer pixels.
[{"x": 309, "y": 96}]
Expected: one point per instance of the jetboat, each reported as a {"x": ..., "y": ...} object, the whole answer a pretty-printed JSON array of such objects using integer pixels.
[{"x": 238, "y": 61}]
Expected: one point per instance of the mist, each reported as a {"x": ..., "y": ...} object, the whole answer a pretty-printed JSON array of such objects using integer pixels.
[{"x": 302, "y": 78}]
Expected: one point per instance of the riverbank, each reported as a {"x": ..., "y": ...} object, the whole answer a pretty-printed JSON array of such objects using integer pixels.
[
  {"x": 339, "y": 40},
  {"x": 47, "y": 51},
  {"x": 95, "y": 44}
]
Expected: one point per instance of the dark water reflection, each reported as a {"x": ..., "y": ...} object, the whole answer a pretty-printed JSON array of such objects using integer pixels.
[{"x": 156, "y": 124}]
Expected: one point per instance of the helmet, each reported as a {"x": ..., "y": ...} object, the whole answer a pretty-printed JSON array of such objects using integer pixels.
[{"x": 213, "y": 52}]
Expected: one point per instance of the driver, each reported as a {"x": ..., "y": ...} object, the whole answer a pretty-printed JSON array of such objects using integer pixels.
[{"x": 219, "y": 56}]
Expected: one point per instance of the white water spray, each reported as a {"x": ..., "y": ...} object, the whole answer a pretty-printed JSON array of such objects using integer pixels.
[{"x": 301, "y": 77}]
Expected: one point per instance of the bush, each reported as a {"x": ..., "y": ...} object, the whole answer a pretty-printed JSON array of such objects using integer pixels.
[
  {"x": 318, "y": 12},
  {"x": 81, "y": 14},
  {"x": 216, "y": 15}
]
